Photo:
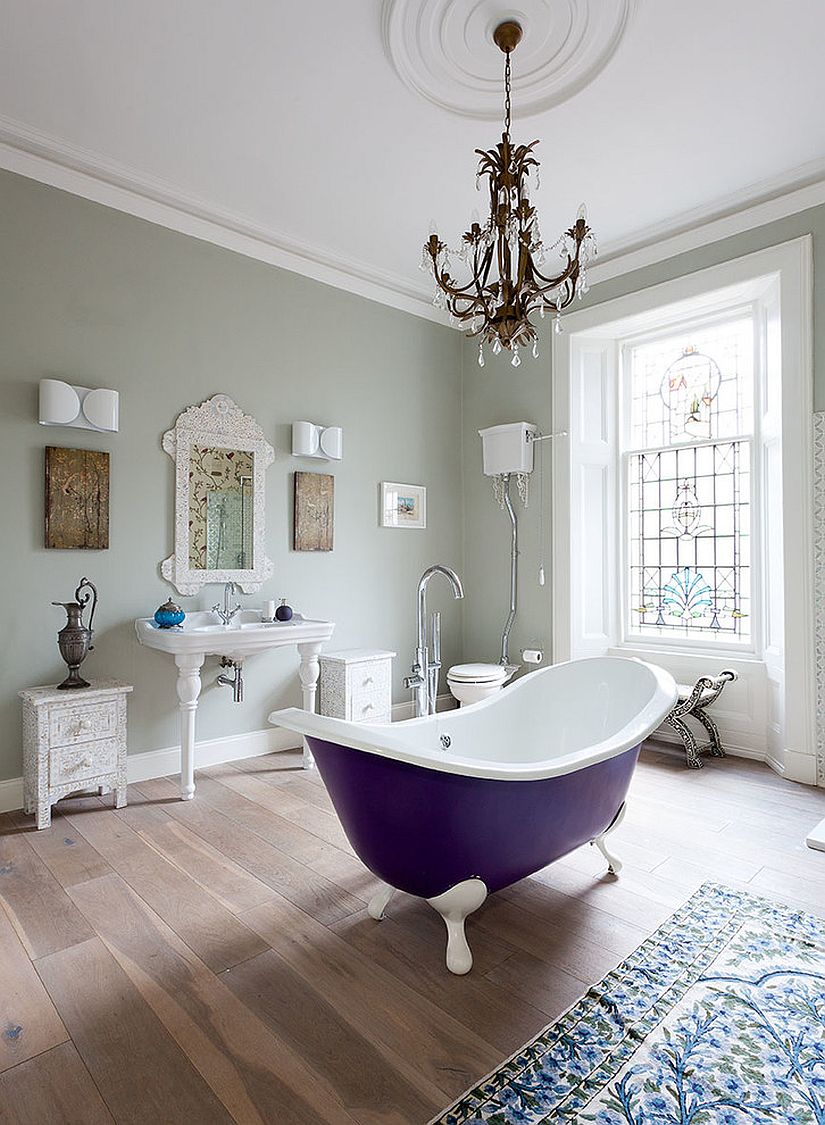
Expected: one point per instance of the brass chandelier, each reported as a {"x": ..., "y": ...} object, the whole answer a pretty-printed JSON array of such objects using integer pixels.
[{"x": 506, "y": 254}]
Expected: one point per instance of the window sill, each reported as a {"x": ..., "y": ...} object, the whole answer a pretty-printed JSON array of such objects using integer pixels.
[{"x": 741, "y": 661}]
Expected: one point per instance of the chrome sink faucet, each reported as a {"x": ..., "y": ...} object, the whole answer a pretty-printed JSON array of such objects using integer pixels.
[
  {"x": 226, "y": 614},
  {"x": 425, "y": 669}
]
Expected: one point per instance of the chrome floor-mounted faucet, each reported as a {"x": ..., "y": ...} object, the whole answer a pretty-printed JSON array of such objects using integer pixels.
[
  {"x": 226, "y": 614},
  {"x": 425, "y": 669}
]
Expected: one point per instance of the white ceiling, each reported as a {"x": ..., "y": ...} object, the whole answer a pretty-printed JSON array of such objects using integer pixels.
[{"x": 290, "y": 120}]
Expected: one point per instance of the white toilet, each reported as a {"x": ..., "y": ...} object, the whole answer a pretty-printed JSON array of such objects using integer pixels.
[{"x": 470, "y": 683}]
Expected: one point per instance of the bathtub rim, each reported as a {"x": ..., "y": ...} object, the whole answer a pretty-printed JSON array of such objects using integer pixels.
[{"x": 378, "y": 739}]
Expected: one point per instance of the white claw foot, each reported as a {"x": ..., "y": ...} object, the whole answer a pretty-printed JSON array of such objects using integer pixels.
[
  {"x": 378, "y": 902},
  {"x": 454, "y": 905},
  {"x": 614, "y": 864}
]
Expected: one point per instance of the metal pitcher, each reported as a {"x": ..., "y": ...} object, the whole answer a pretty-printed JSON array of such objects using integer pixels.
[{"x": 75, "y": 639}]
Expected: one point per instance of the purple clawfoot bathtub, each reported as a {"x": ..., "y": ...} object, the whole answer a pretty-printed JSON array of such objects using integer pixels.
[{"x": 457, "y": 805}]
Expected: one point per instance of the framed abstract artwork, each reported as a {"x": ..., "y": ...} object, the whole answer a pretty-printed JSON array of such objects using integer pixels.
[
  {"x": 314, "y": 512},
  {"x": 77, "y": 499}
]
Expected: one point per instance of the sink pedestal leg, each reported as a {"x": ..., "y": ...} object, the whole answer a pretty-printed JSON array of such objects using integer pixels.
[
  {"x": 309, "y": 672},
  {"x": 189, "y": 688}
]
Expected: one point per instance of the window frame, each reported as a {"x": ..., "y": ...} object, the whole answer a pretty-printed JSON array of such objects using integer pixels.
[
  {"x": 703, "y": 644},
  {"x": 770, "y": 713}
]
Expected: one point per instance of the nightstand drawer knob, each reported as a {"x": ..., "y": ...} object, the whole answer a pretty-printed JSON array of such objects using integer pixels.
[
  {"x": 369, "y": 680},
  {"x": 81, "y": 764},
  {"x": 83, "y": 725}
]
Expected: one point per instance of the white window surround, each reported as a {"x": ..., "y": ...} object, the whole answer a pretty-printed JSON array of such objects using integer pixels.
[{"x": 770, "y": 714}]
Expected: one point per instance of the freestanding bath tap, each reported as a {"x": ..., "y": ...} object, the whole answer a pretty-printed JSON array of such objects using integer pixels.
[{"x": 424, "y": 679}]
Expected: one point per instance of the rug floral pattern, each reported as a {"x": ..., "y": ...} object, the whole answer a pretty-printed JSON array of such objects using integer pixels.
[{"x": 718, "y": 1019}]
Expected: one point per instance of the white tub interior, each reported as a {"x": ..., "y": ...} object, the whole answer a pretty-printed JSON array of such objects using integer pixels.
[
  {"x": 550, "y": 713},
  {"x": 549, "y": 722}
]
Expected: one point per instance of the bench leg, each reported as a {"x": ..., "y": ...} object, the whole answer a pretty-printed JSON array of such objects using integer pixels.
[
  {"x": 690, "y": 744},
  {"x": 713, "y": 732}
]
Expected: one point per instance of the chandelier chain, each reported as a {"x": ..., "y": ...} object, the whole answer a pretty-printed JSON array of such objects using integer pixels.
[{"x": 507, "y": 108}]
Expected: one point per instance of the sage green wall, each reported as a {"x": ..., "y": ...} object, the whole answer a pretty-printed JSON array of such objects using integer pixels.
[
  {"x": 98, "y": 298},
  {"x": 499, "y": 393},
  {"x": 93, "y": 296}
]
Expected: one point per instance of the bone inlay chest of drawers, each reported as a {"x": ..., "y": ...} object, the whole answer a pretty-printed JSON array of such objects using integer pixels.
[
  {"x": 73, "y": 740},
  {"x": 356, "y": 684}
]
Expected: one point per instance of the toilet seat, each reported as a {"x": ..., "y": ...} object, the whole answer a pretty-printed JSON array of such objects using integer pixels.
[{"x": 477, "y": 673}]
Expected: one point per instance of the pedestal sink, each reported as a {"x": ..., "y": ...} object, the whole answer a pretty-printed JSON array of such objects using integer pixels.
[{"x": 202, "y": 635}]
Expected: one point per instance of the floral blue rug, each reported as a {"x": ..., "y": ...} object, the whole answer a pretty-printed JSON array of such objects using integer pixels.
[{"x": 717, "y": 1019}]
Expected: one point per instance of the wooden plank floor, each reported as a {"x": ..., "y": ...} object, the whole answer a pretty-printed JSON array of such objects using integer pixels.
[{"x": 213, "y": 960}]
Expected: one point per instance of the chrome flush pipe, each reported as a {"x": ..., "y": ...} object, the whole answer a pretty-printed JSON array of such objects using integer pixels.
[{"x": 511, "y": 616}]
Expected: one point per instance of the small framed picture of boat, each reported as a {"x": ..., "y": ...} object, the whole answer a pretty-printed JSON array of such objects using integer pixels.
[{"x": 403, "y": 505}]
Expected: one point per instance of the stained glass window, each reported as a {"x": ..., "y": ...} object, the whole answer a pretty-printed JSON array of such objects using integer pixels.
[
  {"x": 688, "y": 469},
  {"x": 692, "y": 387}
]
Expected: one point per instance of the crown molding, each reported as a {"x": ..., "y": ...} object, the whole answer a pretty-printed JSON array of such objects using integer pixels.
[
  {"x": 39, "y": 156},
  {"x": 754, "y": 206},
  {"x": 44, "y": 158}
]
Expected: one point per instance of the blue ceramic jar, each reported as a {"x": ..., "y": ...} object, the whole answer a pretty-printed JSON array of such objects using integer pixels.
[
  {"x": 284, "y": 611},
  {"x": 168, "y": 615}
]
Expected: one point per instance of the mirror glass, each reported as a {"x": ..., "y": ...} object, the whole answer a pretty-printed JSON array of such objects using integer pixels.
[
  {"x": 221, "y": 456},
  {"x": 220, "y": 508}
]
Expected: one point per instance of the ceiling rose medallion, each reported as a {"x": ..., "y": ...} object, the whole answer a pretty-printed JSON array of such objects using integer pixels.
[
  {"x": 505, "y": 254},
  {"x": 432, "y": 45}
]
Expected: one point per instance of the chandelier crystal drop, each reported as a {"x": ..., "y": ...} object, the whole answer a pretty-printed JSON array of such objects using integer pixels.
[{"x": 505, "y": 252}]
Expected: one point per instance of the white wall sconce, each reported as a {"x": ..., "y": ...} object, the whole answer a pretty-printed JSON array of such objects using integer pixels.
[
  {"x": 82, "y": 407},
  {"x": 309, "y": 440}
]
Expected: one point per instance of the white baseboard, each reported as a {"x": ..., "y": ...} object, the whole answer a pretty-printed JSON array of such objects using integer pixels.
[
  {"x": 672, "y": 743},
  {"x": 216, "y": 751},
  {"x": 401, "y": 711},
  {"x": 816, "y": 837},
  {"x": 796, "y": 767},
  {"x": 161, "y": 763},
  {"x": 210, "y": 752},
  {"x": 11, "y": 794}
]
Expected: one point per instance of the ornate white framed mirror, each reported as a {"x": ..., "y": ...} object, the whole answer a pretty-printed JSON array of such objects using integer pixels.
[{"x": 221, "y": 458}]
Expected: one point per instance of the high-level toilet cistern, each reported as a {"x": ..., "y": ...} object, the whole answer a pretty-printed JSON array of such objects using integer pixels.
[{"x": 425, "y": 668}]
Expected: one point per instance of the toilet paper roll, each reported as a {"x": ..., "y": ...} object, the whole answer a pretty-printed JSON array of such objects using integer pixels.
[{"x": 532, "y": 656}]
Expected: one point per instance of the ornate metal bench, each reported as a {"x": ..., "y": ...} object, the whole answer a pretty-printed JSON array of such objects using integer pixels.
[{"x": 694, "y": 699}]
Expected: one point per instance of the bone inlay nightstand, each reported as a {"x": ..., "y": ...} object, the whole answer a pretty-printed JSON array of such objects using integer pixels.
[
  {"x": 73, "y": 740},
  {"x": 356, "y": 684}
]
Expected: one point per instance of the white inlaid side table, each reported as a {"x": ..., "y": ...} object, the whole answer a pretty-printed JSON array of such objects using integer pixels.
[
  {"x": 356, "y": 684},
  {"x": 73, "y": 740}
]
